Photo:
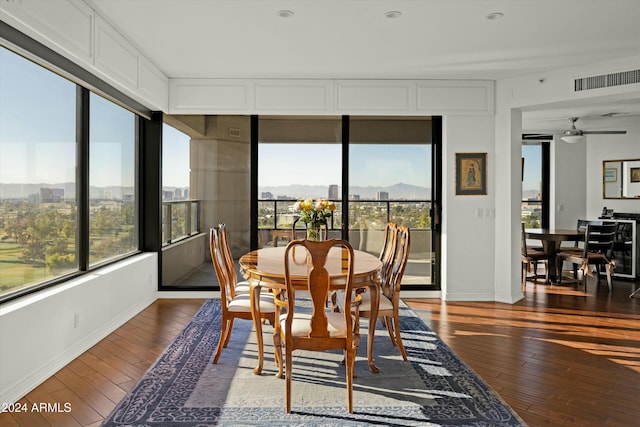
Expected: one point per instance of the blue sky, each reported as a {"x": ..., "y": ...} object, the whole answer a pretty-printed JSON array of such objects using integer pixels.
[
  {"x": 175, "y": 157},
  {"x": 38, "y": 132},
  {"x": 532, "y": 167},
  {"x": 320, "y": 164},
  {"x": 37, "y": 143}
]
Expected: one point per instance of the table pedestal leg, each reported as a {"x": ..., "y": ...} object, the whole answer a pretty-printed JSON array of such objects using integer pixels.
[
  {"x": 257, "y": 324},
  {"x": 550, "y": 248}
]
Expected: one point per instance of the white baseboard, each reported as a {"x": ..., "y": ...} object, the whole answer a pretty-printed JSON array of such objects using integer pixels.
[{"x": 47, "y": 370}]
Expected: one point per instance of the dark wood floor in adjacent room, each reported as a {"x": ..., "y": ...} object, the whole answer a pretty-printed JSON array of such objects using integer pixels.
[{"x": 559, "y": 357}]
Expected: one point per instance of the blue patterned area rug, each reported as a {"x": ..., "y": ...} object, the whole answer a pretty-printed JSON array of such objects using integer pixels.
[{"x": 184, "y": 389}]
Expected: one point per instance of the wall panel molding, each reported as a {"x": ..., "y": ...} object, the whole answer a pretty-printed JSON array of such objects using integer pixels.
[
  {"x": 331, "y": 97},
  {"x": 293, "y": 96},
  {"x": 210, "y": 96},
  {"x": 467, "y": 96},
  {"x": 375, "y": 96},
  {"x": 153, "y": 84},
  {"x": 74, "y": 30},
  {"x": 67, "y": 26},
  {"x": 115, "y": 57}
]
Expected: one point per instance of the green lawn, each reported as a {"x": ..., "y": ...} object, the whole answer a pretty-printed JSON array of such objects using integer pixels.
[{"x": 13, "y": 272}]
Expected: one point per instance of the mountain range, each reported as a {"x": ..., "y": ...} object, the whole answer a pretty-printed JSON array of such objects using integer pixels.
[
  {"x": 294, "y": 191},
  {"x": 300, "y": 191},
  {"x": 22, "y": 191}
]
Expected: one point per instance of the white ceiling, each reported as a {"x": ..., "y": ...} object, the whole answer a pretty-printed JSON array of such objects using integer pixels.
[{"x": 431, "y": 39}]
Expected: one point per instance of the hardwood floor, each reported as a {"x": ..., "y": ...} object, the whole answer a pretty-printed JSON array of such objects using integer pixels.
[{"x": 558, "y": 357}]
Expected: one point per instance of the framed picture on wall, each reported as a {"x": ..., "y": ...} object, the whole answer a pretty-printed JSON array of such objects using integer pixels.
[
  {"x": 471, "y": 174},
  {"x": 635, "y": 174},
  {"x": 610, "y": 175}
]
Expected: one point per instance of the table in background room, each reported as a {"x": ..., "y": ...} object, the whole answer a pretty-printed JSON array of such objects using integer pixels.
[{"x": 551, "y": 239}]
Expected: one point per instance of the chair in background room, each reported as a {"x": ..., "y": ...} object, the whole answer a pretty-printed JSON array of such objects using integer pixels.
[
  {"x": 577, "y": 246},
  {"x": 530, "y": 256},
  {"x": 598, "y": 246},
  {"x": 319, "y": 328},
  {"x": 235, "y": 303}
]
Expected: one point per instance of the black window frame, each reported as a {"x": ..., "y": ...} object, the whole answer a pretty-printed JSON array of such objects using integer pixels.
[
  {"x": 148, "y": 136},
  {"x": 436, "y": 191}
]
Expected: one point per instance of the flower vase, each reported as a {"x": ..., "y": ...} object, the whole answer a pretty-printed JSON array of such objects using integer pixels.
[{"x": 313, "y": 232}]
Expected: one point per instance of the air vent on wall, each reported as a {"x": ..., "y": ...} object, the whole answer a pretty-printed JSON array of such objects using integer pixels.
[{"x": 607, "y": 80}]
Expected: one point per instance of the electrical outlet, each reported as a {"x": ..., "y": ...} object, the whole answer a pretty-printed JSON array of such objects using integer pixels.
[
  {"x": 479, "y": 213},
  {"x": 76, "y": 320}
]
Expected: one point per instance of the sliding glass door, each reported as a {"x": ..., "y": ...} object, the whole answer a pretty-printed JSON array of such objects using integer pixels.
[
  {"x": 390, "y": 166},
  {"x": 299, "y": 158},
  {"x": 386, "y": 165}
]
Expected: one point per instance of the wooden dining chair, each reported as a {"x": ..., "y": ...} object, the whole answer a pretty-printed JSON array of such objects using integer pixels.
[
  {"x": 597, "y": 250},
  {"x": 530, "y": 258},
  {"x": 235, "y": 304},
  {"x": 318, "y": 328},
  {"x": 389, "y": 299},
  {"x": 240, "y": 287},
  {"x": 388, "y": 250},
  {"x": 578, "y": 245}
]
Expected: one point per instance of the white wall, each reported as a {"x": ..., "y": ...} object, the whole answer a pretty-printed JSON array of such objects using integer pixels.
[
  {"x": 553, "y": 88},
  {"x": 468, "y": 241},
  {"x": 610, "y": 147},
  {"x": 568, "y": 198},
  {"x": 42, "y": 332}
]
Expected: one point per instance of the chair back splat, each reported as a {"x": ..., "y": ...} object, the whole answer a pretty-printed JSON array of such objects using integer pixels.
[
  {"x": 317, "y": 328},
  {"x": 388, "y": 250}
]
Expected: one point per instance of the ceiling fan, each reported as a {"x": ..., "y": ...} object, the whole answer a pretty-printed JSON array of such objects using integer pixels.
[{"x": 574, "y": 135}]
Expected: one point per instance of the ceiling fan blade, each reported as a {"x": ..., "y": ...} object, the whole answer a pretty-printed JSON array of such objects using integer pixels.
[
  {"x": 543, "y": 132},
  {"x": 605, "y": 132},
  {"x": 537, "y": 135}
]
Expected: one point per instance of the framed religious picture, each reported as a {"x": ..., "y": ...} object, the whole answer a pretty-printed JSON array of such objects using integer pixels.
[
  {"x": 635, "y": 174},
  {"x": 471, "y": 174}
]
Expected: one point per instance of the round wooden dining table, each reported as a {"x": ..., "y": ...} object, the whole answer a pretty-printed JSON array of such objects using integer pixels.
[
  {"x": 551, "y": 239},
  {"x": 265, "y": 268}
]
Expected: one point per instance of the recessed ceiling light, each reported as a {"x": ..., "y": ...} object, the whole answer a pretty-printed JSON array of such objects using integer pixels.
[
  {"x": 493, "y": 16},
  {"x": 285, "y": 13},
  {"x": 393, "y": 14}
]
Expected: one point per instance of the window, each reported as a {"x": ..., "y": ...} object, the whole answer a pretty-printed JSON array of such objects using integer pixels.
[
  {"x": 179, "y": 212},
  {"x": 299, "y": 158},
  {"x": 389, "y": 175},
  {"x": 112, "y": 173},
  {"x": 532, "y": 185},
  {"x": 44, "y": 138},
  {"x": 38, "y": 210},
  {"x": 390, "y": 181}
]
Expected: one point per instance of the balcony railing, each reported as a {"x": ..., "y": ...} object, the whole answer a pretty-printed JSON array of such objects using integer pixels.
[
  {"x": 367, "y": 220},
  {"x": 280, "y": 215},
  {"x": 180, "y": 220}
]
